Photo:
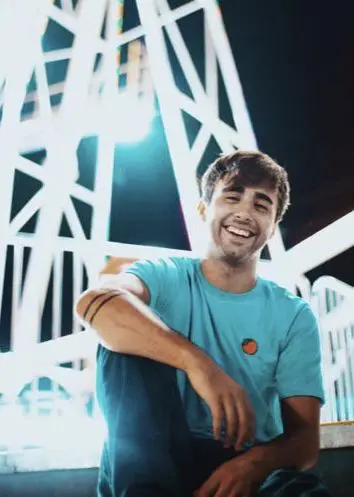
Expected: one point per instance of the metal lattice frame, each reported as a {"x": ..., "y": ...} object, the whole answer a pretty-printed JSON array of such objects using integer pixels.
[{"x": 59, "y": 129}]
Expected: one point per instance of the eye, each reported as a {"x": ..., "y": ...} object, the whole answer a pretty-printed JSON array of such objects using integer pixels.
[
  {"x": 232, "y": 198},
  {"x": 262, "y": 207}
]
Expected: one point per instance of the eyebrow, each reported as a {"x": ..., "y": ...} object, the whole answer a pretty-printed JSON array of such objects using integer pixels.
[
  {"x": 233, "y": 189},
  {"x": 263, "y": 196},
  {"x": 241, "y": 189}
]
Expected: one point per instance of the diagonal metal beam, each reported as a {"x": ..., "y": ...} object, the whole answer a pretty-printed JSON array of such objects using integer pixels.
[
  {"x": 59, "y": 180},
  {"x": 172, "y": 119}
]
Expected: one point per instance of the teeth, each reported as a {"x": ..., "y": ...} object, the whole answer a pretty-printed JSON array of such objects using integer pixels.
[{"x": 239, "y": 232}]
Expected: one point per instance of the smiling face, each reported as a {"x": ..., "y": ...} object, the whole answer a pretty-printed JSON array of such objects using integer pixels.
[{"x": 241, "y": 219}]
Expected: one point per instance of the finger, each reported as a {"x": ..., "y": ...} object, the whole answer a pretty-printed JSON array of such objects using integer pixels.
[
  {"x": 250, "y": 437},
  {"x": 245, "y": 432},
  {"x": 209, "y": 488},
  {"x": 222, "y": 492},
  {"x": 217, "y": 414},
  {"x": 228, "y": 490},
  {"x": 231, "y": 420}
]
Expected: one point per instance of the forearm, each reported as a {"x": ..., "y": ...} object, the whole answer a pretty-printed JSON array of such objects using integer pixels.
[
  {"x": 125, "y": 324},
  {"x": 298, "y": 450}
]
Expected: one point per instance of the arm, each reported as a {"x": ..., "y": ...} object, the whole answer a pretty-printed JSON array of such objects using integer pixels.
[
  {"x": 124, "y": 323},
  {"x": 298, "y": 446},
  {"x": 299, "y": 384}
]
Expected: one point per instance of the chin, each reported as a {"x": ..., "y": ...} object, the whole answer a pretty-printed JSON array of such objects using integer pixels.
[{"x": 235, "y": 260}]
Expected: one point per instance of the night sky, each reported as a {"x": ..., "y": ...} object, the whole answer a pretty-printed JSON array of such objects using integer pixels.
[{"x": 296, "y": 63}]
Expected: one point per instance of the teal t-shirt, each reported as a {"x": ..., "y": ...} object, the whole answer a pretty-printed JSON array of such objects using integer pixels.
[{"x": 266, "y": 339}]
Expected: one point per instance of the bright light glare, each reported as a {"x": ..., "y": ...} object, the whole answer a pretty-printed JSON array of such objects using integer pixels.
[
  {"x": 51, "y": 430},
  {"x": 127, "y": 118},
  {"x": 65, "y": 414},
  {"x": 47, "y": 422},
  {"x": 21, "y": 25},
  {"x": 137, "y": 124}
]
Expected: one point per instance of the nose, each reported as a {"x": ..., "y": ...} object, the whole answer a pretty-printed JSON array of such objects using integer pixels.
[
  {"x": 243, "y": 216},
  {"x": 243, "y": 212}
]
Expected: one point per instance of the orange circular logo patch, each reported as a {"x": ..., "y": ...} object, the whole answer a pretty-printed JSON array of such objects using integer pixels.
[{"x": 249, "y": 346}]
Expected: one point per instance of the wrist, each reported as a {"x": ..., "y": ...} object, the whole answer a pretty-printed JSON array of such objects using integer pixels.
[
  {"x": 193, "y": 358},
  {"x": 259, "y": 462}
]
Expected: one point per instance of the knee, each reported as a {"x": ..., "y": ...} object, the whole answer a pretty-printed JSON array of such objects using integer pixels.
[
  {"x": 137, "y": 472},
  {"x": 282, "y": 480}
]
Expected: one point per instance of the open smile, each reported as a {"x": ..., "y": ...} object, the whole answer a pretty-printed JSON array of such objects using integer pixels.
[{"x": 239, "y": 233}]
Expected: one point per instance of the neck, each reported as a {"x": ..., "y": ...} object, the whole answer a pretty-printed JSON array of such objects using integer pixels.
[{"x": 235, "y": 279}]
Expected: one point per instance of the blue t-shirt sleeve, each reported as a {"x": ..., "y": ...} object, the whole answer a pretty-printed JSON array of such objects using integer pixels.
[
  {"x": 159, "y": 276},
  {"x": 299, "y": 366}
]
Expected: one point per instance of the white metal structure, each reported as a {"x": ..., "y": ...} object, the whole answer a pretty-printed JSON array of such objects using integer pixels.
[
  {"x": 334, "y": 301},
  {"x": 88, "y": 94}
]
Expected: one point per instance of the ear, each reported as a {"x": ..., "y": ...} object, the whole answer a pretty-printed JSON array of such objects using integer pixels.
[
  {"x": 273, "y": 229},
  {"x": 201, "y": 209}
]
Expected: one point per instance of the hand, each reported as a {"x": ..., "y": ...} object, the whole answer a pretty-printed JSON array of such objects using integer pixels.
[
  {"x": 235, "y": 478},
  {"x": 226, "y": 400}
]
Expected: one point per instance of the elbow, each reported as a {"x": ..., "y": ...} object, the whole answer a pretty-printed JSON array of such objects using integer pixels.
[
  {"x": 309, "y": 462},
  {"x": 89, "y": 302},
  {"x": 314, "y": 456},
  {"x": 82, "y": 304},
  {"x": 311, "y": 455},
  {"x": 85, "y": 309},
  {"x": 314, "y": 449}
]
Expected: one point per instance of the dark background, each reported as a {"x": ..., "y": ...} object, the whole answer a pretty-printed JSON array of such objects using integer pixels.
[{"x": 296, "y": 63}]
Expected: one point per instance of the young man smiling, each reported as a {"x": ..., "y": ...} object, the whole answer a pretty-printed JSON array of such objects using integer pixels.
[{"x": 207, "y": 375}]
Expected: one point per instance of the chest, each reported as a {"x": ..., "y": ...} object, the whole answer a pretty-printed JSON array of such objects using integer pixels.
[{"x": 244, "y": 335}]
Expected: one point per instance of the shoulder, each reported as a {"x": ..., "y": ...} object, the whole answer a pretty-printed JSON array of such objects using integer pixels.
[
  {"x": 296, "y": 320},
  {"x": 282, "y": 295},
  {"x": 287, "y": 305},
  {"x": 164, "y": 272},
  {"x": 162, "y": 276},
  {"x": 169, "y": 265}
]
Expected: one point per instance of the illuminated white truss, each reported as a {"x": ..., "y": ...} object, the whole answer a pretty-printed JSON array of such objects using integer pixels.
[{"x": 88, "y": 96}]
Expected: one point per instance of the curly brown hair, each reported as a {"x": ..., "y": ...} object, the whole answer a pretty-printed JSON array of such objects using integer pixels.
[{"x": 252, "y": 168}]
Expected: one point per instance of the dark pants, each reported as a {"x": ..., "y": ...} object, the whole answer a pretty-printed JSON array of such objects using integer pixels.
[{"x": 150, "y": 451}]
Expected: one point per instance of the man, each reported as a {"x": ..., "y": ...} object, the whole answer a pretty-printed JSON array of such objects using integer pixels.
[{"x": 207, "y": 375}]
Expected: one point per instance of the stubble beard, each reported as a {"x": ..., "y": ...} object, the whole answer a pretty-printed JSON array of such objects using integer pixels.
[
  {"x": 221, "y": 250},
  {"x": 236, "y": 260},
  {"x": 231, "y": 257},
  {"x": 236, "y": 257}
]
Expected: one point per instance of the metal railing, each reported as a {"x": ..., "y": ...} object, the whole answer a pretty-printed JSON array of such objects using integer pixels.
[{"x": 333, "y": 301}]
